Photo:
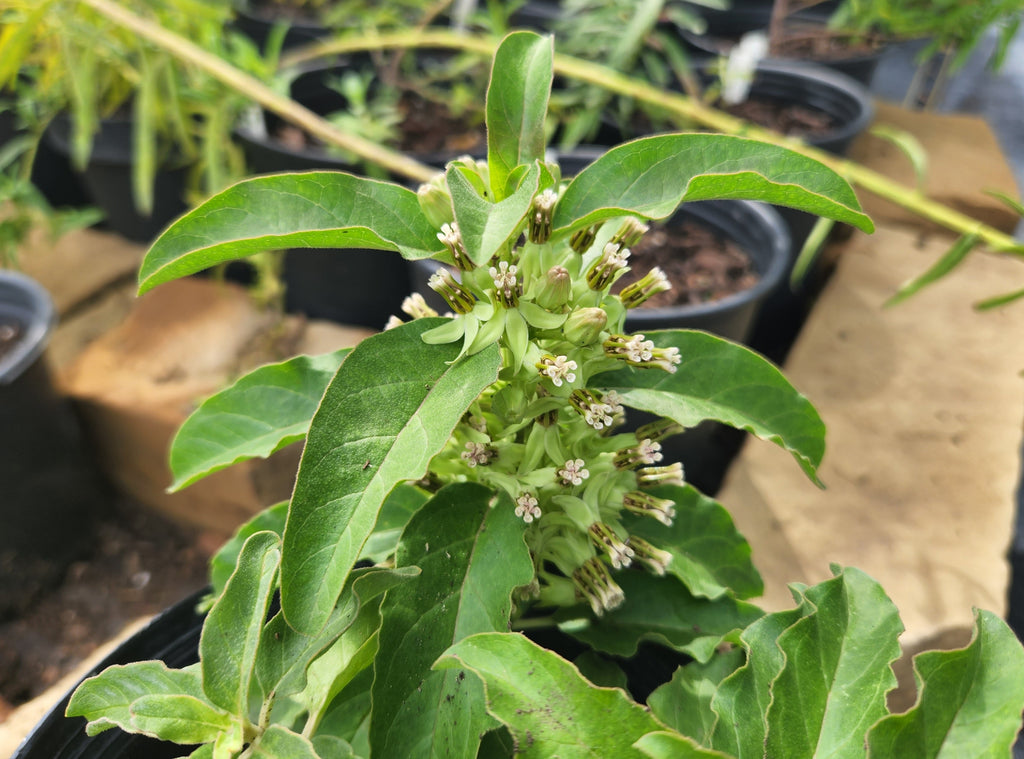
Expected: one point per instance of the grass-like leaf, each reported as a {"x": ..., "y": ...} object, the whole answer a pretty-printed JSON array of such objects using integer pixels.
[
  {"x": 949, "y": 261},
  {"x": 726, "y": 382},
  {"x": 473, "y": 556},
  {"x": 262, "y": 412},
  {"x": 319, "y": 209},
  {"x": 651, "y": 176},
  {"x": 392, "y": 405}
]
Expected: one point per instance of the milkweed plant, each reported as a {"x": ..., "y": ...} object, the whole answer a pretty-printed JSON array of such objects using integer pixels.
[{"x": 469, "y": 479}]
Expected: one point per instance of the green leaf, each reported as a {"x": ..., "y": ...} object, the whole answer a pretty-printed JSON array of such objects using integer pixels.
[
  {"x": 485, "y": 226},
  {"x": 106, "y": 699},
  {"x": 949, "y": 261},
  {"x": 392, "y": 405},
  {"x": 666, "y": 745},
  {"x": 262, "y": 412},
  {"x": 222, "y": 564},
  {"x": 398, "y": 508},
  {"x": 726, "y": 382},
  {"x": 470, "y": 546},
  {"x": 910, "y": 146},
  {"x": 809, "y": 251},
  {"x": 549, "y": 707},
  {"x": 1012, "y": 203},
  {"x": 660, "y": 609},
  {"x": 684, "y": 703},
  {"x": 231, "y": 632},
  {"x": 178, "y": 718},
  {"x": 517, "y": 104},
  {"x": 708, "y": 554},
  {"x": 318, "y": 209},
  {"x": 832, "y": 687},
  {"x": 999, "y": 300},
  {"x": 278, "y": 742},
  {"x": 969, "y": 701},
  {"x": 651, "y": 176}
]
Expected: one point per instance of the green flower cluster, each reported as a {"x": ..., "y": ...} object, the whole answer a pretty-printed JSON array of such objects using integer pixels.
[{"x": 542, "y": 434}]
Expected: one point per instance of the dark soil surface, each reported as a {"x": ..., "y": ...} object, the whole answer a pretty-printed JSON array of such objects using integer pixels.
[
  {"x": 791, "y": 119},
  {"x": 701, "y": 265},
  {"x": 9, "y": 334},
  {"x": 814, "y": 43},
  {"x": 140, "y": 564}
]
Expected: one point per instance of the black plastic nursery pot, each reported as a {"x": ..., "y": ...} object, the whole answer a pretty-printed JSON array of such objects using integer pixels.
[
  {"x": 50, "y": 488},
  {"x": 258, "y": 21},
  {"x": 171, "y": 637}
]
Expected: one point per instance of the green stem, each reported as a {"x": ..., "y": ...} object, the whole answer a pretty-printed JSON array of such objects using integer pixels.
[
  {"x": 692, "y": 109},
  {"x": 238, "y": 80}
]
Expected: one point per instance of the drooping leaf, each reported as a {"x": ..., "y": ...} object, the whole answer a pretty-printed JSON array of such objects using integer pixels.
[
  {"x": 392, "y": 405},
  {"x": 667, "y": 745},
  {"x": 105, "y": 700},
  {"x": 262, "y": 412},
  {"x": 662, "y": 610},
  {"x": 473, "y": 556},
  {"x": 231, "y": 632},
  {"x": 726, "y": 382},
  {"x": 832, "y": 688},
  {"x": 486, "y": 226},
  {"x": 318, "y": 209},
  {"x": 550, "y": 709},
  {"x": 708, "y": 554},
  {"x": 910, "y": 146},
  {"x": 949, "y": 261},
  {"x": 517, "y": 104},
  {"x": 684, "y": 703},
  {"x": 969, "y": 701},
  {"x": 651, "y": 176}
]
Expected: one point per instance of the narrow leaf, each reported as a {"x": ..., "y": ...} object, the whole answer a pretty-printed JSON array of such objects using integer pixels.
[
  {"x": 547, "y": 705},
  {"x": 651, "y": 176},
  {"x": 517, "y": 104},
  {"x": 910, "y": 146},
  {"x": 949, "y": 261},
  {"x": 708, "y": 554},
  {"x": 486, "y": 226},
  {"x": 473, "y": 555},
  {"x": 262, "y": 412},
  {"x": 316, "y": 209},
  {"x": 231, "y": 632},
  {"x": 392, "y": 405},
  {"x": 999, "y": 300},
  {"x": 969, "y": 701},
  {"x": 105, "y": 700},
  {"x": 660, "y": 609},
  {"x": 809, "y": 251},
  {"x": 726, "y": 382},
  {"x": 667, "y": 745},
  {"x": 832, "y": 687},
  {"x": 1012, "y": 203}
]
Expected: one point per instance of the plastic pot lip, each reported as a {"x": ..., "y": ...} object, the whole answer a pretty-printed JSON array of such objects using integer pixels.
[
  {"x": 27, "y": 302},
  {"x": 769, "y": 223}
]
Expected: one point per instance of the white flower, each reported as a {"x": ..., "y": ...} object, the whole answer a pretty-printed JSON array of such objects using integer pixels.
[
  {"x": 557, "y": 369},
  {"x": 477, "y": 454},
  {"x": 526, "y": 508},
  {"x": 574, "y": 472}
]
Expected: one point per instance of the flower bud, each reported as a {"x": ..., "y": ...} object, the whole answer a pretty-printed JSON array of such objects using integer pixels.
[
  {"x": 652, "y": 283},
  {"x": 556, "y": 290},
  {"x": 458, "y": 297},
  {"x": 582, "y": 239},
  {"x": 506, "y": 284},
  {"x": 655, "y": 559},
  {"x": 630, "y": 232},
  {"x": 416, "y": 307},
  {"x": 452, "y": 238},
  {"x": 619, "y": 554},
  {"x": 660, "y": 475},
  {"x": 585, "y": 325},
  {"x": 609, "y": 267},
  {"x": 659, "y": 429},
  {"x": 540, "y": 216},
  {"x": 435, "y": 201},
  {"x": 645, "y": 504},
  {"x": 594, "y": 583}
]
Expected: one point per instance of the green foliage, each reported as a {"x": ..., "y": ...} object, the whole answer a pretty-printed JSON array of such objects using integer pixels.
[{"x": 464, "y": 476}]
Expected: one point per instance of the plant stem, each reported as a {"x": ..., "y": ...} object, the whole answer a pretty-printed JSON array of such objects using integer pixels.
[
  {"x": 694, "y": 110},
  {"x": 288, "y": 109}
]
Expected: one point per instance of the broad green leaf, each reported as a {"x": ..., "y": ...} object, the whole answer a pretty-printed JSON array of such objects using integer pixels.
[
  {"x": 485, "y": 226},
  {"x": 651, "y": 176},
  {"x": 549, "y": 707},
  {"x": 398, "y": 508},
  {"x": 949, "y": 261},
  {"x": 278, "y": 742},
  {"x": 178, "y": 718},
  {"x": 832, "y": 687},
  {"x": 105, "y": 700},
  {"x": 318, "y": 209},
  {"x": 726, "y": 382},
  {"x": 667, "y": 745},
  {"x": 231, "y": 632},
  {"x": 469, "y": 544},
  {"x": 708, "y": 554},
  {"x": 348, "y": 714},
  {"x": 600, "y": 670},
  {"x": 517, "y": 104},
  {"x": 969, "y": 701},
  {"x": 222, "y": 564},
  {"x": 662, "y": 610},
  {"x": 284, "y": 654},
  {"x": 333, "y": 747},
  {"x": 741, "y": 700},
  {"x": 684, "y": 703},
  {"x": 392, "y": 405},
  {"x": 262, "y": 412}
]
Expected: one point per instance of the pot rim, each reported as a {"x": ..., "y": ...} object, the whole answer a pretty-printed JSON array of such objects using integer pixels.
[{"x": 27, "y": 302}]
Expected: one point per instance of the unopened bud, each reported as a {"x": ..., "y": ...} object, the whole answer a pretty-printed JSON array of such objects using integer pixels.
[
  {"x": 585, "y": 325},
  {"x": 608, "y": 267},
  {"x": 630, "y": 232},
  {"x": 458, "y": 297},
  {"x": 653, "y": 282},
  {"x": 436, "y": 201},
  {"x": 582, "y": 239},
  {"x": 556, "y": 290},
  {"x": 540, "y": 216}
]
